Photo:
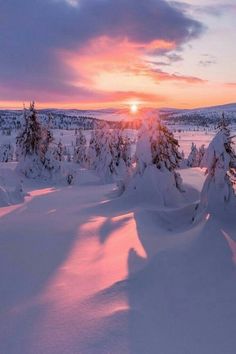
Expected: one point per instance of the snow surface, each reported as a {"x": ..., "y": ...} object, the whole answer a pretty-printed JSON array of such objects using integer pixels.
[{"x": 84, "y": 271}]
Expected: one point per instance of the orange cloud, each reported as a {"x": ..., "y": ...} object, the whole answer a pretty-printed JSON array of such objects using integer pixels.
[
  {"x": 111, "y": 66},
  {"x": 230, "y": 84},
  {"x": 160, "y": 75}
]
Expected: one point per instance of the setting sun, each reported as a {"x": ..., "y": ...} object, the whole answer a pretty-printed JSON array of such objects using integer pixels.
[{"x": 134, "y": 108}]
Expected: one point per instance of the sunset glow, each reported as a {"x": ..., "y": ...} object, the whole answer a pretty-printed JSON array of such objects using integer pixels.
[
  {"x": 134, "y": 108},
  {"x": 162, "y": 53}
]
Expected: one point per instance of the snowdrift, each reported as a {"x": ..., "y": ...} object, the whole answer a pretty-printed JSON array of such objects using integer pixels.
[{"x": 183, "y": 300}]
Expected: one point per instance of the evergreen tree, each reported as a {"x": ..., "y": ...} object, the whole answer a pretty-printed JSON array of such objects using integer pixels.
[
  {"x": 201, "y": 153},
  {"x": 104, "y": 163},
  {"x": 58, "y": 152},
  {"x": 47, "y": 137},
  {"x": 109, "y": 154},
  {"x": 157, "y": 146},
  {"x": 80, "y": 149},
  {"x": 156, "y": 160},
  {"x": 126, "y": 151},
  {"x": 94, "y": 149},
  {"x": 28, "y": 142},
  {"x": 220, "y": 161},
  {"x": 193, "y": 158},
  {"x": 33, "y": 148},
  {"x": 121, "y": 153}
]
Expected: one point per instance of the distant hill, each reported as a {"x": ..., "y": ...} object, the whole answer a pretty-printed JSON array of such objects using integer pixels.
[
  {"x": 89, "y": 119},
  {"x": 202, "y": 116}
]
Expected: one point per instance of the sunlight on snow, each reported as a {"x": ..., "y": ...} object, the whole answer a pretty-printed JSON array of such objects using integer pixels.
[
  {"x": 9, "y": 209},
  {"x": 98, "y": 260},
  {"x": 22, "y": 206},
  {"x": 232, "y": 244},
  {"x": 51, "y": 211},
  {"x": 39, "y": 192}
]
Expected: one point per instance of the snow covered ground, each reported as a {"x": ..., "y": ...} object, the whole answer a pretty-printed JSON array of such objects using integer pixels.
[{"x": 84, "y": 271}]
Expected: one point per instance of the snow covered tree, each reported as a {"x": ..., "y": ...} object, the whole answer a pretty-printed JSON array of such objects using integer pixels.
[
  {"x": 58, "y": 152},
  {"x": 120, "y": 147},
  {"x": 51, "y": 164},
  {"x": 126, "y": 151},
  {"x": 193, "y": 158},
  {"x": 47, "y": 137},
  {"x": 104, "y": 163},
  {"x": 28, "y": 142},
  {"x": 109, "y": 153},
  {"x": 120, "y": 150},
  {"x": 201, "y": 153},
  {"x": 157, "y": 146},
  {"x": 33, "y": 148},
  {"x": 220, "y": 161},
  {"x": 93, "y": 149},
  {"x": 80, "y": 149},
  {"x": 157, "y": 158}
]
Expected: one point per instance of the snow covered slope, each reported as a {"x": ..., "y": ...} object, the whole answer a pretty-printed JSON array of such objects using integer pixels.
[{"x": 86, "y": 272}]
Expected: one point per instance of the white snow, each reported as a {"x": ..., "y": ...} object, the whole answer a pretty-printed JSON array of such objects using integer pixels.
[{"x": 84, "y": 271}]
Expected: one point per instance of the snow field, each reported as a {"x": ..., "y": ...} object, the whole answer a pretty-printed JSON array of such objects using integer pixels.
[{"x": 84, "y": 271}]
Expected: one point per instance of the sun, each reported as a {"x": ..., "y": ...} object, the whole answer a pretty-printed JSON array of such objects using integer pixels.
[{"x": 133, "y": 108}]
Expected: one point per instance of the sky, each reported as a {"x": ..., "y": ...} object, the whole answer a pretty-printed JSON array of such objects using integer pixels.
[{"x": 115, "y": 53}]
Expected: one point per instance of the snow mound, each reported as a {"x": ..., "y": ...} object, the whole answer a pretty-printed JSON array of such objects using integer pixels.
[{"x": 156, "y": 186}]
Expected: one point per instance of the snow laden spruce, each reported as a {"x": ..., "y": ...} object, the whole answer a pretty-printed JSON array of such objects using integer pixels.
[
  {"x": 80, "y": 149},
  {"x": 109, "y": 153},
  {"x": 156, "y": 159},
  {"x": 196, "y": 155},
  {"x": 220, "y": 161},
  {"x": 34, "y": 151}
]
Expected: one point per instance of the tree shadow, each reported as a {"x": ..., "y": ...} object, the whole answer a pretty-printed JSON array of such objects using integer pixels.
[
  {"x": 110, "y": 225},
  {"x": 30, "y": 254}
]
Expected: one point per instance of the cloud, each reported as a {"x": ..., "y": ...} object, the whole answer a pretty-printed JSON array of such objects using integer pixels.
[
  {"x": 207, "y": 60},
  {"x": 160, "y": 75},
  {"x": 166, "y": 59},
  {"x": 230, "y": 84},
  {"x": 218, "y": 9},
  {"x": 35, "y": 32},
  {"x": 107, "y": 65},
  {"x": 206, "y": 63}
]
